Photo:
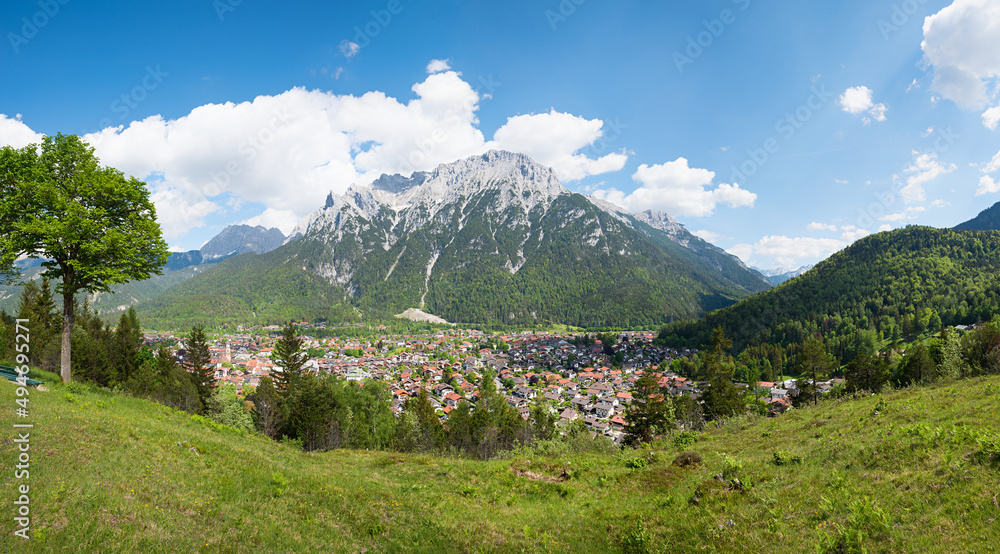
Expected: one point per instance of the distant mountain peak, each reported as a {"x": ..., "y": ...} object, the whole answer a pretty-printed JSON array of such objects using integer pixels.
[
  {"x": 660, "y": 220},
  {"x": 779, "y": 275},
  {"x": 517, "y": 178},
  {"x": 239, "y": 239}
]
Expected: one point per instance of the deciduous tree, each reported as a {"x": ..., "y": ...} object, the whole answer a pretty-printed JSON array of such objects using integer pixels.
[{"x": 92, "y": 226}]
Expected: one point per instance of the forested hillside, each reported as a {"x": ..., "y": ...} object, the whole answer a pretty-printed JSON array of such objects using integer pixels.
[
  {"x": 885, "y": 287},
  {"x": 248, "y": 289}
]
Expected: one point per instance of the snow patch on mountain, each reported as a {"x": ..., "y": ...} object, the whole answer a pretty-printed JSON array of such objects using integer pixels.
[
  {"x": 779, "y": 275},
  {"x": 516, "y": 179}
]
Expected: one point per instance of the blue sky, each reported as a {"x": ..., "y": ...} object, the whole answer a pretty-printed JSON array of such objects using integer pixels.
[{"x": 781, "y": 131}]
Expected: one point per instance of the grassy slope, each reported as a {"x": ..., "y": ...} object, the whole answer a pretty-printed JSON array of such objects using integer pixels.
[{"x": 112, "y": 473}]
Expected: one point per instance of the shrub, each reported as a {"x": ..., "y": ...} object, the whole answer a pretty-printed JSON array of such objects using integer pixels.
[
  {"x": 731, "y": 467},
  {"x": 687, "y": 459},
  {"x": 636, "y": 462},
  {"x": 685, "y": 440},
  {"x": 782, "y": 458},
  {"x": 989, "y": 448},
  {"x": 866, "y": 525},
  {"x": 635, "y": 539}
]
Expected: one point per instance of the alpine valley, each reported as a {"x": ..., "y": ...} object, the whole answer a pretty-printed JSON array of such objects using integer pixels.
[{"x": 493, "y": 239}]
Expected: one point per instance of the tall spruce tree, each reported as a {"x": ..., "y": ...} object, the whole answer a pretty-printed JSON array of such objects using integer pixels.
[
  {"x": 269, "y": 409},
  {"x": 650, "y": 413},
  {"x": 126, "y": 344},
  {"x": 813, "y": 361},
  {"x": 430, "y": 432},
  {"x": 290, "y": 357},
  {"x": 720, "y": 398},
  {"x": 198, "y": 363}
]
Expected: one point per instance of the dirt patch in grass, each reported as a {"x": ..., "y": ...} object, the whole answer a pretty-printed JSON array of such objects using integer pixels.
[{"x": 564, "y": 476}]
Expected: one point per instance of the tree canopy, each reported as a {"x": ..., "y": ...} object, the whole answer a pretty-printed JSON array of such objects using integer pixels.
[{"x": 92, "y": 226}]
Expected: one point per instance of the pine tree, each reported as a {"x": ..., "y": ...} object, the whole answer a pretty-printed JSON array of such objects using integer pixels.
[
  {"x": 649, "y": 414},
  {"x": 198, "y": 363},
  {"x": 430, "y": 430},
  {"x": 126, "y": 344},
  {"x": 720, "y": 398},
  {"x": 816, "y": 362},
  {"x": 46, "y": 327},
  {"x": 289, "y": 356},
  {"x": 866, "y": 372},
  {"x": 543, "y": 422},
  {"x": 268, "y": 408}
]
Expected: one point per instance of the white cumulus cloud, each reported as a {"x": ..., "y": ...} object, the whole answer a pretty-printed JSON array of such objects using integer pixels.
[
  {"x": 288, "y": 151},
  {"x": 991, "y": 117},
  {"x": 987, "y": 185},
  {"x": 284, "y": 220},
  {"x": 742, "y": 251},
  {"x": 924, "y": 169},
  {"x": 993, "y": 164},
  {"x": 961, "y": 43},
  {"x": 678, "y": 189},
  {"x": 554, "y": 139},
  {"x": 437, "y": 66},
  {"x": 784, "y": 251},
  {"x": 707, "y": 235},
  {"x": 14, "y": 133},
  {"x": 792, "y": 251},
  {"x": 816, "y": 226},
  {"x": 857, "y": 100}
]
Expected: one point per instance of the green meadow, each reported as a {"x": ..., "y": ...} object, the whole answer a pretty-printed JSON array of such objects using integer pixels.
[{"x": 908, "y": 471}]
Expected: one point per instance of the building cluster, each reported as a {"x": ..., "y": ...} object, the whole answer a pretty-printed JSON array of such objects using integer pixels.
[{"x": 574, "y": 375}]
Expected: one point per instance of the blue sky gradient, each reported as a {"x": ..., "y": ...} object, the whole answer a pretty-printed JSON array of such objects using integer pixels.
[{"x": 757, "y": 93}]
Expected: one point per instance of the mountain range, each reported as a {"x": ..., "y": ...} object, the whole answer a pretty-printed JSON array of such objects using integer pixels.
[
  {"x": 779, "y": 275},
  {"x": 232, "y": 241},
  {"x": 492, "y": 239}
]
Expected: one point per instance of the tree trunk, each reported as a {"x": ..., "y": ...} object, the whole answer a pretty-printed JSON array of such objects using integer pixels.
[{"x": 69, "y": 318}]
